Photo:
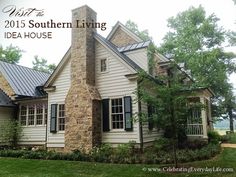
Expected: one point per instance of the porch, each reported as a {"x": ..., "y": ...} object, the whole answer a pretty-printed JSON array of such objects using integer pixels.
[{"x": 199, "y": 120}]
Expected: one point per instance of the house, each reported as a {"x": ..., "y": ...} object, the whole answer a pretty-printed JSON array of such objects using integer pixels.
[{"x": 89, "y": 98}]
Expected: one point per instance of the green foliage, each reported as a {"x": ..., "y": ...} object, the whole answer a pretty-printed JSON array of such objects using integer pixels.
[
  {"x": 170, "y": 100},
  {"x": 161, "y": 144},
  {"x": 41, "y": 65},
  {"x": 134, "y": 28},
  {"x": 102, "y": 153},
  {"x": 11, "y": 132},
  {"x": 197, "y": 40},
  {"x": 229, "y": 138},
  {"x": 169, "y": 97},
  {"x": 213, "y": 137},
  {"x": 10, "y": 54},
  {"x": 124, "y": 153}
]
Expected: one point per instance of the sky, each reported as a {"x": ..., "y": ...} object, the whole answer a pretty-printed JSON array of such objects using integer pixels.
[{"x": 151, "y": 15}]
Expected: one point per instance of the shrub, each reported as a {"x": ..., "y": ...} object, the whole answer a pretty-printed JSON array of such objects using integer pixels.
[
  {"x": 161, "y": 144},
  {"x": 225, "y": 138},
  {"x": 102, "y": 153},
  {"x": 196, "y": 144},
  {"x": 213, "y": 137},
  {"x": 124, "y": 153},
  {"x": 11, "y": 132}
]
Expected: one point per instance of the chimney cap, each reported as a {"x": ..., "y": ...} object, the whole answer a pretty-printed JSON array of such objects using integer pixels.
[{"x": 81, "y": 7}]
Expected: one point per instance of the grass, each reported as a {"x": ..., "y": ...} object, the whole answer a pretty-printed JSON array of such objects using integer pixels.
[{"x": 10, "y": 167}]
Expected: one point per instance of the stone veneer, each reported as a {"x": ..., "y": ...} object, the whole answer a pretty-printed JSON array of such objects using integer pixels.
[
  {"x": 83, "y": 106},
  {"x": 5, "y": 86},
  {"x": 121, "y": 38}
]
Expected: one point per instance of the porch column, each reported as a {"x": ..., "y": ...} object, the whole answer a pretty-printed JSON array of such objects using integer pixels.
[{"x": 204, "y": 118}]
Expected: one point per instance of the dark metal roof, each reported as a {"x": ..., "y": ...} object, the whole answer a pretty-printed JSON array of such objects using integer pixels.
[
  {"x": 134, "y": 46},
  {"x": 5, "y": 101},
  {"x": 24, "y": 81},
  {"x": 121, "y": 55}
]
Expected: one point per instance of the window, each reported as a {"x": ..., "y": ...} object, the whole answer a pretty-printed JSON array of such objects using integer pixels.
[
  {"x": 61, "y": 117},
  {"x": 23, "y": 115},
  {"x": 117, "y": 117},
  {"x": 35, "y": 114},
  {"x": 45, "y": 114},
  {"x": 31, "y": 115},
  {"x": 103, "y": 65},
  {"x": 39, "y": 114}
]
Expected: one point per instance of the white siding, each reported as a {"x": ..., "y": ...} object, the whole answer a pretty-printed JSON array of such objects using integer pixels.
[
  {"x": 62, "y": 83},
  {"x": 6, "y": 114},
  {"x": 148, "y": 135},
  {"x": 139, "y": 57},
  {"x": 114, "y": 84},
  {"x": 34, "y": 135}
]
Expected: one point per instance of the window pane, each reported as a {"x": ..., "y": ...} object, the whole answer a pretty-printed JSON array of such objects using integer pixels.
[
  {"x": 31, "y": 115},
  {"x": 103, "y": 65},
  {"x": 117, "y": 113},
  {"x": 39, "y": 114},
  {"x": 23, "y": 113},
  {"x": 61, "y": 117},
  {"x": 45, "y": 114}
]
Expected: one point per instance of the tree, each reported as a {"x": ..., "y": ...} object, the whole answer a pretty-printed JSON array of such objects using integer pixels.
[
  {"x": 41, "y": 65},
  {"x": 197, "y": 40},
  {"x": 10, "y": 54},
  {"x": 229, "y": 104},
  {"x": 232, "y": 34},
  {"x": 134, "y": 28},
  {"x": 168, "y": 104}
]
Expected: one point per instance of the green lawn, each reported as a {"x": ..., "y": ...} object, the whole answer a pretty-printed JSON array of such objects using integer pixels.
[{"x": 10, "y": 167}]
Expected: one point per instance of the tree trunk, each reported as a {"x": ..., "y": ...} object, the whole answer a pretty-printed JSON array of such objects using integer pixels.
[{"x": 231, "y": 120}]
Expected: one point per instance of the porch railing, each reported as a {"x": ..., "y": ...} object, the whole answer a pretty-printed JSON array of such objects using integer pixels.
[{"x": 194, "y": 129}]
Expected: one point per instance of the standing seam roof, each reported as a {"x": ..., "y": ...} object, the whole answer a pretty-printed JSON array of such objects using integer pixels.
[{"x": 23, "y": 80}]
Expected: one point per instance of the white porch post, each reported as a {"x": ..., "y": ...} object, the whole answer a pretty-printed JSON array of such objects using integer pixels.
[{"x": 204, "y": 118}]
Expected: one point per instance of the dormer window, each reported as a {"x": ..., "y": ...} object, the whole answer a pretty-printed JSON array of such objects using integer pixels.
[{"x": 104, "y": 65}]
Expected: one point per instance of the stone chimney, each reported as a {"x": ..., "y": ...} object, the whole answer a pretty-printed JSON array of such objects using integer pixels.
[{"x": 83, "y": 109}]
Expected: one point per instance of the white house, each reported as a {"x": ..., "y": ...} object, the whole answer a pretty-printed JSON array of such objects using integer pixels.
[{"x": 89, "y": 98}]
